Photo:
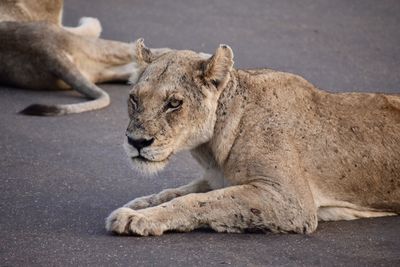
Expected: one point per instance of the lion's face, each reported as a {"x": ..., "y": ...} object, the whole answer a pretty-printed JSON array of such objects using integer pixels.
[{"x": 171, "y": 108}]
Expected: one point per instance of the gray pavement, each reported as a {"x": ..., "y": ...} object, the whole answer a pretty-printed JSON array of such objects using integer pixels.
[{"x": 60, "y": 177}]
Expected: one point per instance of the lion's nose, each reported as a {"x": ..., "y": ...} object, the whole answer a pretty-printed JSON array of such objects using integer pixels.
[{"x": 140, "y": 143}]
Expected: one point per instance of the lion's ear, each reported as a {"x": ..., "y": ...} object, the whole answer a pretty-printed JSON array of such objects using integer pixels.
[
  {"x": 143, "y": 54},
  {"x": 216, "y": 69}
]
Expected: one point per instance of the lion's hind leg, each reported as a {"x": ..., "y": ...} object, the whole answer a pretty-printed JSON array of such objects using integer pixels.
[
  {"x": 332, "y": 213},
  {"x": 120, "y": 73},
  {"x": 66, "y": 72}
]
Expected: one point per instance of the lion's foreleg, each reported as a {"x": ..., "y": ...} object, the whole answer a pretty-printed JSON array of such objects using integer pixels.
[
  {"x": 232, "y": 209},
  {"x": 197, "y": 186}
]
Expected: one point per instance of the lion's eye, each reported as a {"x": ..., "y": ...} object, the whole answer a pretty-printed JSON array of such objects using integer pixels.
[{"x": 174, "y": 103}]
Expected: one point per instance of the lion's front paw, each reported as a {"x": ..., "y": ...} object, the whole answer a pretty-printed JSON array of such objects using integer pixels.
[
  {"x": 128, "y": 221},
  {"x": 153, "y": 200},
  {"x": 140, "y": 203}
]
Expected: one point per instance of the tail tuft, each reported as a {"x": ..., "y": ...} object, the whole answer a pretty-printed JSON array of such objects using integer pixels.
[{"x": 41, "y": 110}]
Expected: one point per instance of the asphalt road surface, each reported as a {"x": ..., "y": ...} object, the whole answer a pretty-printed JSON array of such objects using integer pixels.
[{"x": 60, "y": 177}]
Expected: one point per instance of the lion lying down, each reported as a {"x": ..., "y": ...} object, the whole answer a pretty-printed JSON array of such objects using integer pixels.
[
  {"x": 38, "y": 52},
  {"x": 278, "y": 153}
]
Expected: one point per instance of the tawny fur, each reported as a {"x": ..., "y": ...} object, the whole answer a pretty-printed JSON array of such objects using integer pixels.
[{"x": 278, "y": 153}]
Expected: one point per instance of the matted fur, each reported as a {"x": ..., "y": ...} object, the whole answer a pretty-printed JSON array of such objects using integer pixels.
[{"x": 278, "y": 153}]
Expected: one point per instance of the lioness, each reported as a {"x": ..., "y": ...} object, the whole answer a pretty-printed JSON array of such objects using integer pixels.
[
  {"x": 37, "y": 52},
  {"x": 278, "y": 153}
]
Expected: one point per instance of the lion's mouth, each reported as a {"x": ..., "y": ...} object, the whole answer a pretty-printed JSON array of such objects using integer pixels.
[
  {"x": 142, "y": 159},
  {"x": 146, "y": 165}
]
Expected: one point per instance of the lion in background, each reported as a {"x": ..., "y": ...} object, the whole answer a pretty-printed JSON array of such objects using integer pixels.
[
  {"x": 37, "y": 52},
  {"x": 278, "y": 153}
]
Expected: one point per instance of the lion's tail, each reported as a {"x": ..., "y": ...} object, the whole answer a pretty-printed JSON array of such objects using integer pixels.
[{"x": 65, "y": 70}]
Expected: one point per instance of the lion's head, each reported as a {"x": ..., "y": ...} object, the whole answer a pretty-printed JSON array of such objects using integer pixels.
[{"x": 172, "y": 105}]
